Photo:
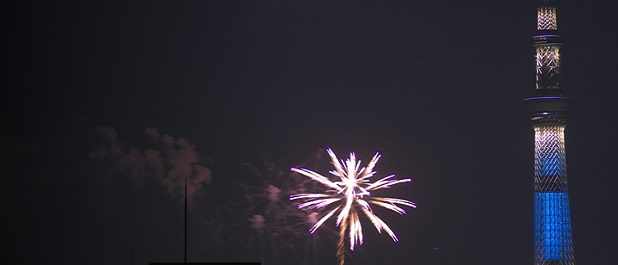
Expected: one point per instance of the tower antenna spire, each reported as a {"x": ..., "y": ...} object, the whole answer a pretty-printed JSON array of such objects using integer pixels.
[{"x": 548, "y": 111}]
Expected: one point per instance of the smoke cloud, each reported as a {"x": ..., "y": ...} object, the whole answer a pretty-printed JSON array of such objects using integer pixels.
[{"x": 170, "y": 162}]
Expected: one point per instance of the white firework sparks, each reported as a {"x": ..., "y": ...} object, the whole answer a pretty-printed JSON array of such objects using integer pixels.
[{"x": 351, "y": 194}]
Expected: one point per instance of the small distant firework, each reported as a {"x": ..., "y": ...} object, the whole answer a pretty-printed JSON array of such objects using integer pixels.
[{"x": 350, "y": 195}]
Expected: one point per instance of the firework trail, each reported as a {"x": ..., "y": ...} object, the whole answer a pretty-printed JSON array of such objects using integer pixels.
[{"x": 348, "y": 196}]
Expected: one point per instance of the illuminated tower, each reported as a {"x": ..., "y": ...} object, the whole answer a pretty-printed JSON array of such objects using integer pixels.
[{"x": 548, "y": 111}]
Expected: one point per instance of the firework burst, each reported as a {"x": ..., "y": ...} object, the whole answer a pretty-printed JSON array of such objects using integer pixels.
[
  {"x": 350, "y": 195},
  {"x": 265, "y": 224}
]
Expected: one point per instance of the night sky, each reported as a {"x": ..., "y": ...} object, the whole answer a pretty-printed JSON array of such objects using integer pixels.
[{"x": 435, "y": 86}]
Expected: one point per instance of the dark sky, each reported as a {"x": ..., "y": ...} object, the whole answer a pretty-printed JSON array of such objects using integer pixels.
[{"x": 435, "y": 86}]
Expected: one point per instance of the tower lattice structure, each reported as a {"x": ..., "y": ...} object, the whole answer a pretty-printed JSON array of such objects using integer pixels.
[{"x": 548, "y": 111}]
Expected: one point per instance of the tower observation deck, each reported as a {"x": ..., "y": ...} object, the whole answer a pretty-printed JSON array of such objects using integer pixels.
[{"x": 548, "y": 111}]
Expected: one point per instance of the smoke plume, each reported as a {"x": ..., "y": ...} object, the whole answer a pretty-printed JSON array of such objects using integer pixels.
[{"x": 169, "y": 161}]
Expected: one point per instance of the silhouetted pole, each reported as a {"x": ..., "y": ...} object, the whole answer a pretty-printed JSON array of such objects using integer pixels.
[{"x": 185, "y": 219}]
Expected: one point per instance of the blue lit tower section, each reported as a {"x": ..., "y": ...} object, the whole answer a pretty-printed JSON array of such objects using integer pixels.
[{"x": 548, "y": 111}]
